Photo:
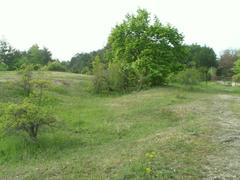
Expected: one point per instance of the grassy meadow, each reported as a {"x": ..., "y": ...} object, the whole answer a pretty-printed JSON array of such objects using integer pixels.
[{"x": 159, "y": 133}]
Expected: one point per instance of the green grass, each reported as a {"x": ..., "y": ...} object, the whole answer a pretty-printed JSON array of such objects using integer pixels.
[{"x": 111, "y": 137}]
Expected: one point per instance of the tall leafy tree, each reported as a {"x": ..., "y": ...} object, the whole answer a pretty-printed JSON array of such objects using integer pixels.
[
  {"x": 153, "y": 49},
  {"x": 82, "y": 61},
  {"x": 9, "y": 55},
  {"x": 226, "y": 62},
  {"x": 46, "y": 55},
  {"x": 34, "y": 55},
  {"x": 201, "y": 57}
]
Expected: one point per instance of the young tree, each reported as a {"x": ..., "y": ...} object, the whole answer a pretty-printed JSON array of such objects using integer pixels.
[
  {"x": 26, "y": 72},
  {"x": 26, "y": 117}
]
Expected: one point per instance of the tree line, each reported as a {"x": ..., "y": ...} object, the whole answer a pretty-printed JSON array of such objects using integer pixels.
[{"x": 140, "y": 51}]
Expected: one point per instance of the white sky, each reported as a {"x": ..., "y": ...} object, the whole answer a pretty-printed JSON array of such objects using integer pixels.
[{"x": 67, "y": 27}]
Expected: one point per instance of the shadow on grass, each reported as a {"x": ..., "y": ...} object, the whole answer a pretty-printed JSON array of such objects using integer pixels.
[{"x": 17, "y": 148}]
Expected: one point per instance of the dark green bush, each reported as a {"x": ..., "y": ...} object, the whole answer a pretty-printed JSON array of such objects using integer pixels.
[
  {"x": 189, "y": 77},
  {"x": 56, "y": 66}
]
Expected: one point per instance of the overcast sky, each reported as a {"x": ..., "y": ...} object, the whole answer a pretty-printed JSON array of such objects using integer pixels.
[{"x": 67, "y": 27}]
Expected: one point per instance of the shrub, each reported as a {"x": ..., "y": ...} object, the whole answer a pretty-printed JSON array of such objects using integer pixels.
[
  {"x": 56, "y": 66},
  {"x": 100, "y": 79},
  {"x": 212, "y": 73},
  {"x": 86, "y": 70},
  {"x": 26, "y": 117},
  {"x": 189, "y": 77},
  {"x": 115, "y": 77},
  {"x": 236, "y": 78},
  {"x": 3, "y": 66}
]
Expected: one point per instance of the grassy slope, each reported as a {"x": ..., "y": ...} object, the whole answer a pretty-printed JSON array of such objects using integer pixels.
[{"x": 158, "y": 133}]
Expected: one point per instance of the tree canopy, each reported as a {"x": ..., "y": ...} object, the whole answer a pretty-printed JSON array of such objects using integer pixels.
[{"x": 153, "y": 49}]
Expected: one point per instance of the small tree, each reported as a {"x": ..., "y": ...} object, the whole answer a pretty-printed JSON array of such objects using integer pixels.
[
  {"x": 26, "y": 117},
  {"x": 212, "y": 73},
  {"x": 37, "y": 95},
  {"x": 26, "y": 80}
]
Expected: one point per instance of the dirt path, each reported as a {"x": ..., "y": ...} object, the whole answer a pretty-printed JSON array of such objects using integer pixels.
[{"x": 225, "y": 164}]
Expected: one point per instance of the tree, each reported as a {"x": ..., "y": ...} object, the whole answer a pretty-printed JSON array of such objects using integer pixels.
[
  {"x": 226, "y": 63},
  {"x": 202, "y": 58},
  {"x": 26, "y": 117},
  {"x": 34, "y": 55},
  {"x": 31, "y": 114},
  {"x": 82, "y": 61},
  {"x": 79, "y": 61},
  {"x": 9, "y": 55},
  {"x": 26, "y": 72},
  {"x": 155, "y": 50},
  {"x": 46, "y": 56}
]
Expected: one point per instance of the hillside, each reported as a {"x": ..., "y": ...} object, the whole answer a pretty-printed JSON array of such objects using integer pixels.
[{"x": 161, "y": 133}]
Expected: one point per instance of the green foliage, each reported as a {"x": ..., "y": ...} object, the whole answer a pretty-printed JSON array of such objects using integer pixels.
[
  {"x": 236, "y": 68},
  {"x": 14, "y": 59},
  {"x": 82, "y": 62},
  {"x": 226, "y": 63},
  {"x": 115, "y": 77},
  {"x": 100, "y": 79},
  {"x": 26, "y": 72},
  {"x": 26, "y": 117},
  {"x": 155, "y": 50},
  {"x": 8, "y": 55},
  {"x": 212, "y": 73},
  {"x": 236, "y": 78},
  {"x": 38, "y": 96},
  {"x": 35, "y": 55},
  {"x": 200, "y": 57},
  {"x": 115, "y": 135},
  {"x": 189, "y": 77},
  {"x": 56, "y": 66},
  {"x": 3, "y": 66}
]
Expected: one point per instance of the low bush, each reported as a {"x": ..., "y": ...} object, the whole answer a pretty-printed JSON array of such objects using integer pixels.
[
  {"x": 189, "y": 77},
  {"x": 100, "y": 79},
  {"x": 3, "y": 66},
  {"x": 55, "y": 66}
]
